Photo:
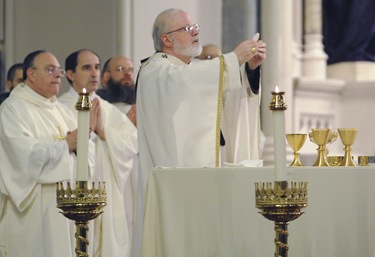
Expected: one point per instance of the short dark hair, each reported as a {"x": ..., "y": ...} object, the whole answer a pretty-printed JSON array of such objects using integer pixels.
[
  {"x": 12, "y": 70},
  {"x": 29, "y": 61},
  {"x": 106, "y": 64},
  {"x": 71, "y": 61}
]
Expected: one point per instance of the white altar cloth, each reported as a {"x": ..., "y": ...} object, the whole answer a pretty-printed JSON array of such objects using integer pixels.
[{"x": 211, "y": 213}]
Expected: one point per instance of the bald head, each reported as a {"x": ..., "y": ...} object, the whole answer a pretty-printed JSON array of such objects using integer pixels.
[
  {"x": 120, "y": 69},
  {"x": 209, "y": 51}
]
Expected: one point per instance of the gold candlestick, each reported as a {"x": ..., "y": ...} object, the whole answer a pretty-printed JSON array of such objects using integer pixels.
[
  {"x": 81, "y": 204},
  {"x": 281, "y": 205}
]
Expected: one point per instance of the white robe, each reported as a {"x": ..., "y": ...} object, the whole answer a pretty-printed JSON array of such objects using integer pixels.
[
  {"x": 243, "y": 140},
  {"x": 116, "y": 164},
  {"x": 32, "y": 161},
  {"x": 177, "y": 108},
  {"x": 124, "y": 107}
]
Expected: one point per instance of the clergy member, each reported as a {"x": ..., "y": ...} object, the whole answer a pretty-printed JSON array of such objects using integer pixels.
[
  {"x": 178, "y": 106},
  {"x": 247, "y": 139},
  {"x": 115, "y": 138},
  {"x": 38, "y": 139},
  {"x": 118, "y": 85}
]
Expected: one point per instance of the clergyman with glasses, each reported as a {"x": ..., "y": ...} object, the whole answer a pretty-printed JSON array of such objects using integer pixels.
[
  {"x": 117, "y": 79},
  {"x": 38, "y": 138},
  {"x": 181, "y": 104}
]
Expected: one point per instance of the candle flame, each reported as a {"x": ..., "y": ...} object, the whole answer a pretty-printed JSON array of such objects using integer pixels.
[
  {"x": 84, "y": 90},
  {"x": 277, "y": 89}
]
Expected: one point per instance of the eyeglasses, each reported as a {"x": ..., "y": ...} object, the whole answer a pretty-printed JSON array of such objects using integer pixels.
[
  {"x": 123, "y": 69},
  {"x": 188, "y": 28},
  {"x": 53, "y": 70}
]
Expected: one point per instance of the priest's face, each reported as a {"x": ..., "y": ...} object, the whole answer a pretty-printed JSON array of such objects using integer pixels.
[
  {"x": 45, "y": 75},
  {"x": 120, "y": 71},
  {"x": 87, "y": 73},
  {"x": 185, "y": 43}
]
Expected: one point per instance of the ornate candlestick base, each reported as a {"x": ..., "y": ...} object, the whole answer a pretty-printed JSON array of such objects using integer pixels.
[
  {"x": 81, "y": 204},
  {"x": 281, "y": 205}
]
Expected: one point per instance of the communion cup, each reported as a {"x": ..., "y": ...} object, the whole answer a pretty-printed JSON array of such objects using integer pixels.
[
  {"x": 348, "y": 136},
  {"x": 321, "y": 137},
  {"x": 296, "y": 142}
]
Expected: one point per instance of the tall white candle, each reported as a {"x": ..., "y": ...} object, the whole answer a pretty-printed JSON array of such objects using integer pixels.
[
  {"x": 83, "y": 143},
  {"x": 279, "y": 139}
]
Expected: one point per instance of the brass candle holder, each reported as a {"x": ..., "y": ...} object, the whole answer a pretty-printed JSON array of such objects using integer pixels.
[
  {"x": 83, "y": 102},
  {"x": 81, "y": 204},
  {"x": 282, "y": 205}
]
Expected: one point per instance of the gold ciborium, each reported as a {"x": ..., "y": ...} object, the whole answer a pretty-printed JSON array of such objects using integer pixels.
[
  {"x": 321, "y": 138},
  {"x": 296, "y": 142},
  {"x": 347, "y": 136}
]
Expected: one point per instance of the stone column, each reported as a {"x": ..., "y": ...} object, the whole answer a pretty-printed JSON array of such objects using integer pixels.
[
  {"x": 239, "y": 22},
  {"x": 124, "y": 31},
  {"x": 276, "y": 31},
  {"x": 297, "y": 38},
  {"x": 315, "y": 59}
]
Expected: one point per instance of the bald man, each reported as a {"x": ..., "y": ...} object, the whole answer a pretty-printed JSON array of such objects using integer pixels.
[
  {"x": 118, "y": 85},
  {"x": 209, "y": 52}
]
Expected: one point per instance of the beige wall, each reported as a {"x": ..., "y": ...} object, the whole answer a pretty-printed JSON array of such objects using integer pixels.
[{"x": 65, "y": 26}]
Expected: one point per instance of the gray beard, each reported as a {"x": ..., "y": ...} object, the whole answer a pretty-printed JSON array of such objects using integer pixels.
[{"x": 190, "y": 51}]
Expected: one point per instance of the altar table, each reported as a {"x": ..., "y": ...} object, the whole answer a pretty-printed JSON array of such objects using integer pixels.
[{"x": 211, "y": 212}]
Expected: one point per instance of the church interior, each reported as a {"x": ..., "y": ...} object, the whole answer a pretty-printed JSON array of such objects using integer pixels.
[{"x": 320, "y": 53}]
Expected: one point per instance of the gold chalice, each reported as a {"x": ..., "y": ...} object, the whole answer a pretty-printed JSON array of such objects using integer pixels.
[
  {"x": 321, "y": 138},
  {"x": 331, "y": 138},
  {"x": 348, "y": 136},
  {"x": 296, "y": 142}
]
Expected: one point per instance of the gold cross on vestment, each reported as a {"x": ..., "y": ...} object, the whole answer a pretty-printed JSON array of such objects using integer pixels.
[{"x": 60, "y": 137}]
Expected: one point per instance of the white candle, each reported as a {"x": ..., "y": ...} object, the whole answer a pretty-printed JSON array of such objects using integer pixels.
[
  {"x": 279, "y": 141},
  {"x": 83, "y": 143}
]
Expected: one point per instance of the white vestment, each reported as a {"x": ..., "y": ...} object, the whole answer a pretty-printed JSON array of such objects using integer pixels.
[
  {"x": 177, "y": 111},
  {"x": 117, "y": 165},
  {"x": 243, "y": 136},
  {"x": 124, "y": 107},
  {"x": 32, "y": 161}
]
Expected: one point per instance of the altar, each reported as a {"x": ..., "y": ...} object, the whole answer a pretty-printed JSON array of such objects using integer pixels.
[{"x": 210, "y": 212}]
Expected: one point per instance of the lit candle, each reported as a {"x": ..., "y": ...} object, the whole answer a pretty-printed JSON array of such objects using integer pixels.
[
  {"x": 83, "y": 107},
  {"x": 278, "y": 107}
]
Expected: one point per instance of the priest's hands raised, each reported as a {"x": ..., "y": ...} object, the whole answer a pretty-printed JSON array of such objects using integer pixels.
[
  {"x": 246, "y": 50},
  {"x": 96, "y": 123},
  {"x": 252, "y": 51},
  {"x": 260, "y": 56}
]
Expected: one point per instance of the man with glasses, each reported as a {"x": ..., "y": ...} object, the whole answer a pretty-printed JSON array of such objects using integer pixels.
[
  {"x": 118, "y": 85},
  {"x": 116, "y": 155},
  {"x": 181, "y": 103},
  {"x": 38, "y": 138}
]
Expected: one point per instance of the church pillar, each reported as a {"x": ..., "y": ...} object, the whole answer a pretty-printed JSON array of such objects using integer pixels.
[
  {"x": 239, "y": 22},
  {"x": 297, "y": 38},
  {"x": 315, "y": 59},
  {"x": 124, "y": 31},
  {"x": 276, "y": 31}
]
